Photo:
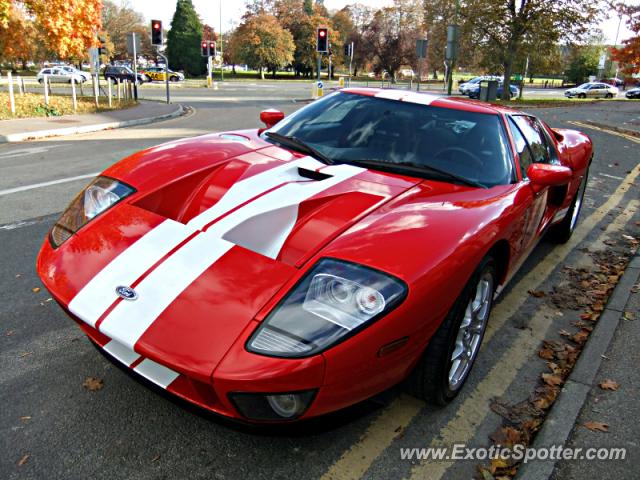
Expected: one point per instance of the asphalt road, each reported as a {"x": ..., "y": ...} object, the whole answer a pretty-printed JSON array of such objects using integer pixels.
[{"x": 51, "y": 427}]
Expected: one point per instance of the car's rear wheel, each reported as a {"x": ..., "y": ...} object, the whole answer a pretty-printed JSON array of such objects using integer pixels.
[
  {"x": 451, "y": 353},
  {"x": 173, "y": 78},
  {"x": 561, "y": 233}
]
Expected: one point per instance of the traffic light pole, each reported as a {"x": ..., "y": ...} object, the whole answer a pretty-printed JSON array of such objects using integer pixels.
[
  {"x": 166, "y": 74},
  {"x": 319, "y": 64}
]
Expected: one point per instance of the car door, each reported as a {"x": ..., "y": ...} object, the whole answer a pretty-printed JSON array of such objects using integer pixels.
[{"x": 531, "y": 147}]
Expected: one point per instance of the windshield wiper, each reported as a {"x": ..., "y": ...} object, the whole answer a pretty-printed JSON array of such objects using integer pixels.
[
  {"x": 415, "y": 168},
  {"x": 298, "y": 144}
]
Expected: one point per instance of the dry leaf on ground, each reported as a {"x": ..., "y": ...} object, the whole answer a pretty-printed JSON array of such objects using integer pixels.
[
  {"x": 551, "y": 379},
  {"x": 35, "y": 289},
  {"x": 609, "y": 384},
  {"x": 92, "y": 384},
  {"x": 596, "y": 426},
  {"x": 23, "y": 460}
]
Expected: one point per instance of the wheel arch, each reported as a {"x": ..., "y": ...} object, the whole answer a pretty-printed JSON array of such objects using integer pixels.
[{"x": 501, "y": 253}]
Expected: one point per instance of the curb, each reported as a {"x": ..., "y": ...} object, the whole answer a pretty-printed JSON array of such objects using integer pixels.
[
  {"x": 57, "y": 132},
  {"x": 562, "y": 417}
]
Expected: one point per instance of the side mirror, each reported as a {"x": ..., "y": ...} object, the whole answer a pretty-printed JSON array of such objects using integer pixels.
[
  {"x": 271, "y": 117},
  {"x": 545, "y": 175}
]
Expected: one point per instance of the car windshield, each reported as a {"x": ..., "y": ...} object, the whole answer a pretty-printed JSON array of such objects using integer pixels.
[{"x": 405, "y": 137}]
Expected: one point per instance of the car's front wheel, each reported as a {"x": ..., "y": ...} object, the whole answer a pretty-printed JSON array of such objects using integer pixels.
[
  {"x": 447, "y": 360},
  {"x": 609, "y": 95},
  {"x": 582, "y": 95}
]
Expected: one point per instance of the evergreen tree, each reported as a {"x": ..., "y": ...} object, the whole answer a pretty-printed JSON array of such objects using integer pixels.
[
  {"x": 308, "y": 7},
  {"x": 183, "y": 40}
]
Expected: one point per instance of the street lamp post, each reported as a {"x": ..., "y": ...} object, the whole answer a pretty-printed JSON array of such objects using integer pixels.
[{"x": 221, "y": 52}]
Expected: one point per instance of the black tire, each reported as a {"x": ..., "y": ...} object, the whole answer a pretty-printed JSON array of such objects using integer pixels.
[
  {"x": 561, "y": 233},
  {"x": 430, "y": 378},
  {"x": 173, "y": 78},
  {"x": 609, "y": 95},
  {"x": 582, "y": 95},
  {"x": 40, "y": 81}
]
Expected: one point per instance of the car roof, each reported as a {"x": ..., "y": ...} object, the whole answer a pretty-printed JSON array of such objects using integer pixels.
[{"x": 453, "y": 103}]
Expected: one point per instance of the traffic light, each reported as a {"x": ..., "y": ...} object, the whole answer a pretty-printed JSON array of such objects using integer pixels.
[
  {"x": 205, "y": 49},
  {"x": 323, "y": 40},
  {"x": 212, "y": 49},
  {"x": 156, "y": 32}
]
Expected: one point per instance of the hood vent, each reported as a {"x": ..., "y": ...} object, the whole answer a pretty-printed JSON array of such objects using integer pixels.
[{"x": 312, "y": 174}]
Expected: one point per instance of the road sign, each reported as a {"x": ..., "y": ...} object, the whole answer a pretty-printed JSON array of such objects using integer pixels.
[
  {"x": 319, "y": 89},
  {"x": 133, "y": 43}
]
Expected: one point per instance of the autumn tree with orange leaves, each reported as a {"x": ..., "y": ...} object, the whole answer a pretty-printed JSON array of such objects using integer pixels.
[
  {"x": 628, "y": 55},
  {"x": 67, "y": 27}
]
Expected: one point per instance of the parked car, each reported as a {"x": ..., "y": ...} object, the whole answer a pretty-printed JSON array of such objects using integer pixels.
[
  {"x": 283, "y": 273},
  {"x": 115, "y": 72},
  {"x": 158, "y": 73},
  {"x": 474, "y": 91},
  {"x": 59, "y": 75},
  {"x": 464, "y": 87},
  {"x": 592, "y": 90},
  {"x": 85, "y": 75},
  {"x": 633, "y": 93}
]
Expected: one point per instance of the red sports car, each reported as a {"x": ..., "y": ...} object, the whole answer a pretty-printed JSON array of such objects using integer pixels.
[{"x": 283, "y": 273}]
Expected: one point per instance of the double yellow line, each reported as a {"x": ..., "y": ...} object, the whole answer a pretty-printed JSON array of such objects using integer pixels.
[{"x": 461, "y": 428}]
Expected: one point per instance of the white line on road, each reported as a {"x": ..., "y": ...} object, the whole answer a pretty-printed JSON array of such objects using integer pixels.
[
  {"x": 46, "y": 184},
  {"x": 610, "y": 176}
]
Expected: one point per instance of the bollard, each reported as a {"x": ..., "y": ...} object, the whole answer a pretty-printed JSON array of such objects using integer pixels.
[
  {"x": 46, "y": 89},
  {"x": 73, "y": 95},
  {"x": 109, "y": 91},
  {"x": 19, "y": 82},
  {"x": 24, "y": 90},
  {"x": 119, "y": 91},
  {"x": 95, "y": 90},
  {"x": 12, "y": 99}
]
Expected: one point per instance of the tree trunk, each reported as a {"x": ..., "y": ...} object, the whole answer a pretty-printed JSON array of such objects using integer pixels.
[{"x": 506, "y": 86}]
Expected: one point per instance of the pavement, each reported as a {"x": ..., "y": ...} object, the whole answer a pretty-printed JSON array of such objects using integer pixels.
[
  {"x": 52, "y": 427},
  {"x": 41, "y": 127}
]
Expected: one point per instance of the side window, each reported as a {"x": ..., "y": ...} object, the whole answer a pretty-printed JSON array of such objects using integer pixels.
[
  {"x": 551, "y": 149},
  {"x": 522, "y": 149},
  {"x": 534, "y": 137}
]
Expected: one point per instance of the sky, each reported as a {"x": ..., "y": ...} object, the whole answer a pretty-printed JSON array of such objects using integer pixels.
[{"x": 232, "y": 10}]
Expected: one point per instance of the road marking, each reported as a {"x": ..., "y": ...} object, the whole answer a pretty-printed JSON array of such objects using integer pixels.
[
  {"x": 13, "y": 226},
  {"x": 46, "y": 184},
  {"x": 610, "y": 131},
  {"x": 352, "y": 461},
  {"x": 27, "y": 151},
  {"x": 610, "y": 176},
  {"x": 475, "y": 408}
]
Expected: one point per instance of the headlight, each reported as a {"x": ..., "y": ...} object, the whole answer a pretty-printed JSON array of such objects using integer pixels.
[
  {"x": 334, "y": 300},
  {"x": 101, "y": 194}
]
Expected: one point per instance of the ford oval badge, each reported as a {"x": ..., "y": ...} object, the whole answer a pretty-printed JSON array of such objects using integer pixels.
[{"x": 127, "y": 293}]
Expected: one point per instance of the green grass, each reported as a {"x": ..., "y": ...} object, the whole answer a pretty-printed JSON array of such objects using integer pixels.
[{"x": 32, "y": 105}]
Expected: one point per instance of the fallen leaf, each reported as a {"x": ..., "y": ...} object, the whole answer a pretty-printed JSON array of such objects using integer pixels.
[
  {"x": 25, "y": 418},
  {"x": 546, "y": 353},
  {"x": 18, "y": 275},
  {"x": 9, "y": 333},
  {"x": 635, "y": 288},
  {"x": 542, "y": 403},
  {"x": 586, "y": 316},
  {"x": 554, "y": 368},
  {"x": 24, "y": 354},
  {"x": 581, "y": 336},
  {"x": 92, "y": 384},
  {"x": 496, "y": 464},
  {"x": 398, "y": 430},
  {"x": 156, "y": 458},
  {"x": 551, "y": 379},
  {"x": 23, "y": 460},
  {"x": 609, "y": 384},
  {"x": 564, "y": 333},
  {"x": 596, "y": 426},
  {"x": 629, "y": 316},
  {"x": 506, "y": 436},
  {"x": 486, "y": 475},
  {"x": 537, "y": 293},
  {"x": 35, "y": 289}
]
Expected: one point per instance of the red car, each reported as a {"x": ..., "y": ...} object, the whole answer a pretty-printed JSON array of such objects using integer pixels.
[{"x": 283, "y": 273}]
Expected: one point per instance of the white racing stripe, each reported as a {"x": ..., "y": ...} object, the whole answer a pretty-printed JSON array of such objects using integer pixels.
[
  {"x": 411, "y": 97},
  {"x": 122, "y": 353},
  {"x": 128, "y": 321},
  {"x": 158, "y": 374}
]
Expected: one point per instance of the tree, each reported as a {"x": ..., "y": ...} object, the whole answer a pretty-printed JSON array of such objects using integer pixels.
[
  {"x": 265, "y": 44},
  {"x": 392, "y": 35},
  {"x": 583, "y": 62},
  {"x": 183, "y": 40},
  {"x": 628, "y": 56},
  {"x": 68, "y": 25},
  {"x": 506, "y": 24},
  {"x": 120, "y": 20},
  {"x": 18, "y": 40}
]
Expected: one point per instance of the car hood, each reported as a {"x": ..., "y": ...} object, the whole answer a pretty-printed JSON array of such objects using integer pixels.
[{"x": 218, "y": 226}]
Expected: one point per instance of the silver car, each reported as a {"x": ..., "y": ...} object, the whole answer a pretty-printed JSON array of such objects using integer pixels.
[
  {"x": 592, "y": 90},
  {"x": 59, "y": 75}
]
